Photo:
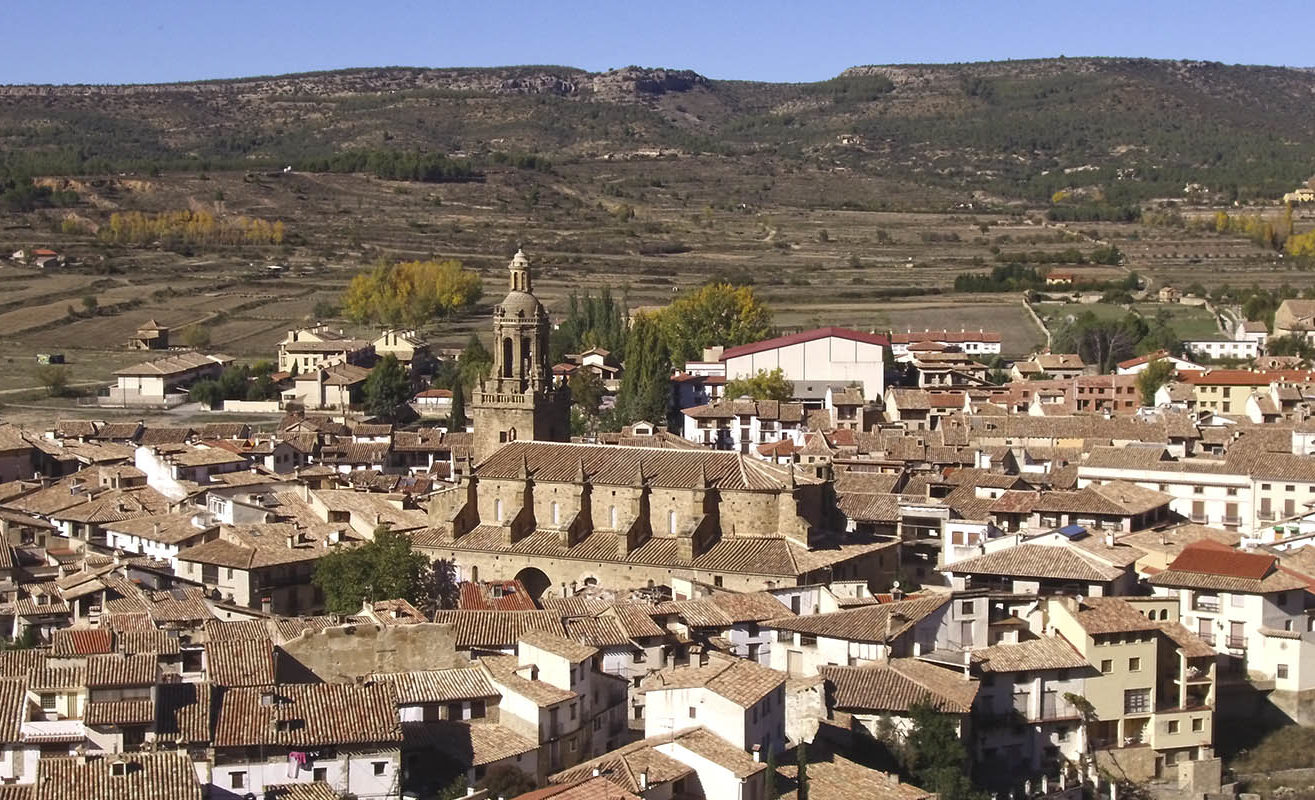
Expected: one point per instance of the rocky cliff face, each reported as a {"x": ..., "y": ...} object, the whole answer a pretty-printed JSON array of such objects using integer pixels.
[{"x": 630, "y": 83}]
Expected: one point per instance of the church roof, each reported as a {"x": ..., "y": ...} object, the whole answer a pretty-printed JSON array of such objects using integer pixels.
[{"x": 561, "y": 462}]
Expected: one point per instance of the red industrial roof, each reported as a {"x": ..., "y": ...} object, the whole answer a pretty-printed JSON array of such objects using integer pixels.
[
  {"x": 1207, "y": 560},
  {"x": 806, "y": 336}
]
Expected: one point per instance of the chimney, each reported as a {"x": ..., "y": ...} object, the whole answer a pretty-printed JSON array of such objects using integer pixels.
[
  {"x": 266, "y": 604},
  {"x": 643, "y": 775},
  {"x": 757, "y": 756},
  {"x": 1109, "y": 538},
  {"x": 598, "y": 773}
]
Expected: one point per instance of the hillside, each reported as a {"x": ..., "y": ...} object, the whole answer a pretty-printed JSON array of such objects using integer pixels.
[{"x": 1118, "y": 130}]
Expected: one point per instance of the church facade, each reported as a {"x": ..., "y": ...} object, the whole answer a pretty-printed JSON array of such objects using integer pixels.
[
  {"x": 518, "y": 400},
  {"x": 560, "y": 516}
]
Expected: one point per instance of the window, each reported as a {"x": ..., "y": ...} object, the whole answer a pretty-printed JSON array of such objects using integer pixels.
[
  {"x": 47, "y": 702},
  {"x": 1198, "y": 490},
  {"x": 477, "y": 709},
  {"x": 379, "y": 767},
  {"x": 454, "y": 711},
  {"x": 639, "y": 657},
  {"x": 716, "y": 581},
  {"x": 1107, "y": 666},
  {"x": 1136, "y": 701},
  {"x": 572, "y": 707},
  {"x": 1134, "y": 665},
  {"x": 1263, "y": 487},
  {"x": 1198, "y": 724},
  {"x": 693, "y": 713},
  {"x": 1281, "y": 672},
  {"x": 497, "y": 510},
  {"x": 319, "y": 774},
  {"x": 237, "y": 780},
  {"x": 1173, "y": 726},
  {"x": 966, "y": 608}
]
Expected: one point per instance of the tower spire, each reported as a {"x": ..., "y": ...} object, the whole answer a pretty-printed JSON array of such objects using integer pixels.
[{"x": 520, "y": 272}]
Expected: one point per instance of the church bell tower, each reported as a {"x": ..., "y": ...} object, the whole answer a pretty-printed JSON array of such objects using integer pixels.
[{"x": 518, "y": 399}]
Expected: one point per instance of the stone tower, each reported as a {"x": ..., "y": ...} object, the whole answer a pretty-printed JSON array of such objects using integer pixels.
[{"x": 518, "y": 401}]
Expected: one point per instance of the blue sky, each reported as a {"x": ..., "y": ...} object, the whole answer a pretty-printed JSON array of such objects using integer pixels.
[{"x": 141, "y": 41}]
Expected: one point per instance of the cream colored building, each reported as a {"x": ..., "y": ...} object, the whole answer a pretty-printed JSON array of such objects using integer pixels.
[{"x": 1152, "y": 692}]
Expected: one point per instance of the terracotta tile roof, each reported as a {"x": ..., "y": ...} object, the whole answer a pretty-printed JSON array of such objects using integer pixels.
[
  {"x": 475, "y": 744},
  {"x": 577, "y": 605},
  {"x": 1046, "y": 652},
  {"x": 315, "y": 790},
  {"x": 598, "y": 632},
  {"x": 81, "y": 642},
  {"x": 119, "y": 712},
  {"x": 502, "y": 671},
  {"x": 148, "y": 641},
  {"x": 13, "y": 709},
  {"x": 946, "y": 337},
  {"x": 558, "y": 645},
  {"x": 1189, "y": 644},
  {"x": 750, "y": 606},
  {"x": 699, "y": 613},
  {"x": 897, "y": 685},
  {"x": 870, "y": 623},
  {"x": 1059, "y": 562},
  {"x": 556, "y": 462},
  {"x": 183, "y": 712},
  {"x": 1099, "y": 615},
  {"x": 1223, "y": 562},
  {"x": 496, "y": 629},
  {"x": 145, "y": 775},
  {"x": 870, "y": 507},
  {"x": 46, "y": 677},
  {"x": 831, "y": 775},
  {"x": 308, "y": 715},
  {"x": 18, "y": 663},
  {"x": 741, "y": 681},
  {"x": 115, "y": 670},
  {"x": 221, "y": 631},
  {"x": 590, "y": 788},
  {"x": 439, "y": 685},
  {"x": 623, "y": 766},
  {"x": 175, "y": 364},
  {"x": 240, "y": 662},
  {"x": 637, "y": 621},
  {"x": 709, "y": 745}
]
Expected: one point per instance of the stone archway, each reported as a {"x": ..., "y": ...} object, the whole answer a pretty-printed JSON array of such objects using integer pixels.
[{"x": 535, "y": 581}]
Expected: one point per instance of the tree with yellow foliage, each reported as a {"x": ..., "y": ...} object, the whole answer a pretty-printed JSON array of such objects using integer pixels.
[{"x": 411, "y": 293}]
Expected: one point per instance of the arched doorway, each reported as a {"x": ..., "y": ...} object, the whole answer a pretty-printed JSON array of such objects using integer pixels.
[{"x": 534, "y": 580}]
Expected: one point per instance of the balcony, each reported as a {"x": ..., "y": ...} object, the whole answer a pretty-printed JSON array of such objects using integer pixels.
[
  {"x": 1236, "y": 642},
  {"x": 1200, "y": 519},
  {"x": 1209, "y": 604},
  {"x": 1232, "y": 520},
  {"x": 1265, "y": 514}
]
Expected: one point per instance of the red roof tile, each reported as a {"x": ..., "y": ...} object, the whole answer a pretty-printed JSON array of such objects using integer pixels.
[
  {"x": 1214, "y": 561},
  {"x": 805, "y": 336}
]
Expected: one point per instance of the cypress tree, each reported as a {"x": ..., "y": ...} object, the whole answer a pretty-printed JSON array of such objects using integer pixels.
[
  {"x": 646, "y": 383},
  {"x": 457, "y": 418}
]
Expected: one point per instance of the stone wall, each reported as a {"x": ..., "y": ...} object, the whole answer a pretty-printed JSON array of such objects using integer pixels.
[{"x": 350, "y": 652}]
